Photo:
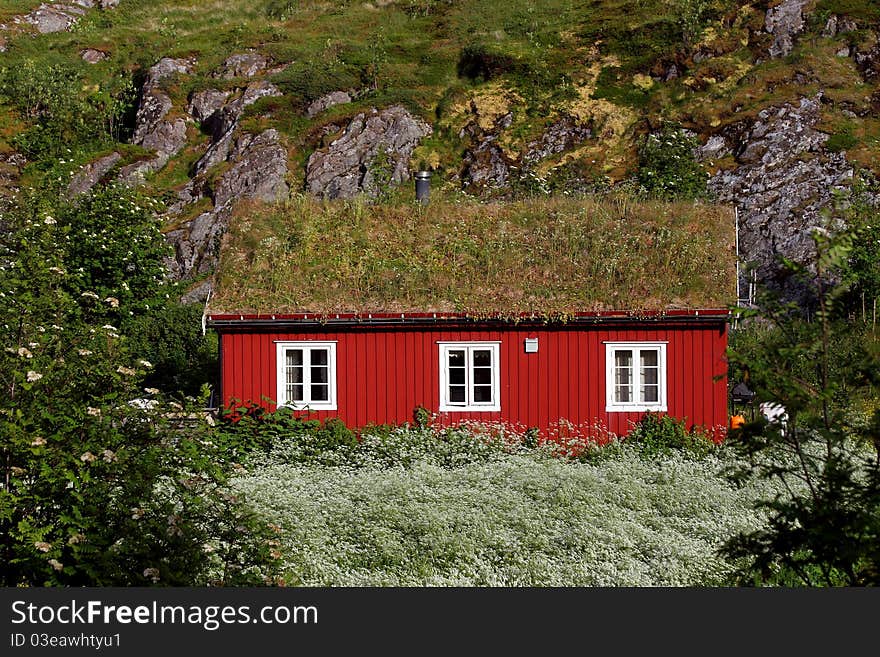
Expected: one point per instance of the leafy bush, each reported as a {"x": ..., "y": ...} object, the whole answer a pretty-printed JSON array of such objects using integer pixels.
[
  {"x": 825, "y": 530},
  {"x": 62, "y": 110},
  {"x": 667, "y": 166},
  {"x": 658, "y": 433},
  {"x": 170, "y": 337},
  {"x": 309, "y": 79},
  {"x": 249, "y": 430},
  {"x": 98, "y": 489}
]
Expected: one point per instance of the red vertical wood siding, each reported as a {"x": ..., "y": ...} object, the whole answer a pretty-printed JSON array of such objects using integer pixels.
[{"x": 383, "y": 374}]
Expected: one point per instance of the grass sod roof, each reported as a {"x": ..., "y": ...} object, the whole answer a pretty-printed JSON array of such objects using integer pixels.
[{"x": 552, "y": 257}]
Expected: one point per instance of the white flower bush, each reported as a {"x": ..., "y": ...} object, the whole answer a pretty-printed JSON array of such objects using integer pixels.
[{"x": 405, "y": 513}]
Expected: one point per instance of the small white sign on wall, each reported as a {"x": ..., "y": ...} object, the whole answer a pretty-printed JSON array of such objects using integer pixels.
[{"x": 531, "y": 345}]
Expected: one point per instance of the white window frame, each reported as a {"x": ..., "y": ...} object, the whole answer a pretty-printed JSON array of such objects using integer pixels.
[
  {"x": 468, "y": 405},
  {"x": 637, "y": 405},
  {"x": 307, "y": 346}
]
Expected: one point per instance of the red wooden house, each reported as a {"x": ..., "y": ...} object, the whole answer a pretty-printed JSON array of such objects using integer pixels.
[
  {"x": 574, "y": 372},
  {"x": 600, "y": 369}
]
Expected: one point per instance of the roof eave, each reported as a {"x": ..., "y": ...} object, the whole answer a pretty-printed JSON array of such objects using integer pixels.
[{"x": 307, "y": 320}]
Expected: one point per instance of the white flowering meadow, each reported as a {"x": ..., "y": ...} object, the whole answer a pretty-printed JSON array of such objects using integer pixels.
[{"x": 502, "y": 518}]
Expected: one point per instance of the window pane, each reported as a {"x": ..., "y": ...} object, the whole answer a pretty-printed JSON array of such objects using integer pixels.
[
  {"x": 621, "y": 394},
  {"x": 318, "y": 356},
  {"x": 456, "y": 376},
  {"x": 648, "y": 357},
  {"x": 320, "y": 374},
  {"x": 294, "y": 375},
  {"x": 456, "y": 394},
  {"x": 294, "y": 357},
  {"x": 482, "y": 376},
  {"x": 320, "y": 392},
  {"x": 623, "y": 358},
  {"x": 456, "y": 358},
  {"x": 295, "y": 393},
  {"x": 650, "y": 393},
  {"x": 482, "y": 358},
  {"x": 482, "y": 394},
  {"x": 649, "y": 375}
]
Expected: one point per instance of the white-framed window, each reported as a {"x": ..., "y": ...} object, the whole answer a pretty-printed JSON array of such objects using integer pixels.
[
  {"x": 635, "y": 376},
  {"x": 469, "y": 374},
  {"x": 306, "y": 375}
]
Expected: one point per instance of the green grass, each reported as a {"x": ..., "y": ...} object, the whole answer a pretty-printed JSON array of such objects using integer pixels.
[{"x": 553, "y": 256}]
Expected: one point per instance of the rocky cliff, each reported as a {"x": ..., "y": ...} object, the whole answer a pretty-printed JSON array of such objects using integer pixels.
[{"x": 782, "y": 96}]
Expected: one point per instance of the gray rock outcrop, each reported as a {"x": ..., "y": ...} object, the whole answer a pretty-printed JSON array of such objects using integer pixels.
[
  {"x": 379, "y": 139},
  {"x": 485, "y": 165},
  {"x": 784, "y": 180},
  {"x": 327, "y": 101},
  {"x": 564, "y": 134},
  {"x": 93, "y": 55},
  {"x": 91, "y": 174},
  {"x": 62, "y": 16},
  {"x": 153, "y": 130},
  {"x": 223, "y": 121},
  {"x": 243, "y": 65},
  {"x": 259, "y": 171},
  {"x": 785, "y": 21}
]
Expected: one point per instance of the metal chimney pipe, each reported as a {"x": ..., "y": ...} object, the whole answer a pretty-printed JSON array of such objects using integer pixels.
[{"x": 423, "y": 185}]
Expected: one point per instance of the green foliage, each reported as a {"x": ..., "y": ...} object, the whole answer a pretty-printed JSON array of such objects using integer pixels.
[
  {"x": 667, "y": 166},
  {"x": 691, "y": 17},
  {"x": 114, "y": 248},
  {"x": 309, "y": 79},
  {"x": 248, "y": 430},
  {"x": 170, "y": 337},
  {"x": 824, "y": 529},
  {"x": 841, "y": 141},
  {"x": 62, "y": 110},
  {"x": 611, "y": 86},
  {"x": 861, "y": 274},
  {"x": 658, "y": 433},
  {"x": 98, "y": 489},
  {"x": 281, "y": 10}
]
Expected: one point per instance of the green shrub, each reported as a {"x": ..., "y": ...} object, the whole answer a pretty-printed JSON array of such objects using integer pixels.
[
  {"x": 658, "y": 433},
  {"x": 248, "y": 430},
  {"x": 667, "y": 166},
  {"x": 62, "y": 110},
  {"x": 840, "y": 141}
]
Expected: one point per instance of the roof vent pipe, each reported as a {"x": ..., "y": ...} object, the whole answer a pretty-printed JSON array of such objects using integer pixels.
[{"x": 423, "y": 186}]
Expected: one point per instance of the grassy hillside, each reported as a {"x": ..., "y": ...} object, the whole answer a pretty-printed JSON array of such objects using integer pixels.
[{"x": 603, "y": 62}]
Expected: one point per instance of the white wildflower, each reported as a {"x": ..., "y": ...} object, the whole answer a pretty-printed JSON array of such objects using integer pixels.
[
  {"x": 32, "y": 376},
  {"x": 42, "y": 546},
  {"x": 24, "y": 353},
  {"x": 91, "y": 410},
  {"x": 88, "y": 457},
  {"x": 145, "y": 363},
  {"x": 90, "y": 295},
  {"x": 113, "y": 301},
  {"x": 57, "y": 565},
  {"x": 126, "y": 370},
  {"x": 85, "y": 352}
]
